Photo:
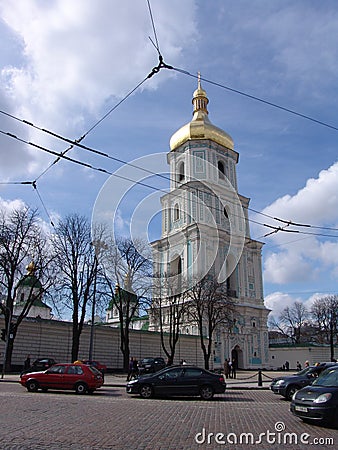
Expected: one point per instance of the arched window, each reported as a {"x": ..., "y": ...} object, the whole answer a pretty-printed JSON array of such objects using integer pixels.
[
  {"x": 221, "y": 171},
  {"x": 176, "y": 212},
  {"x": 226, "y": 213},
  {"x": 181, "y": 174}
]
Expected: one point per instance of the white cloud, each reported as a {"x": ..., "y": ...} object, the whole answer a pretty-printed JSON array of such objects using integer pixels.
[
  {"x": 305, "y": 257},
  {"x": 278, "y": 301},
  {"x": 10, "y": 205},
  {"x": 76, "y": 58}
]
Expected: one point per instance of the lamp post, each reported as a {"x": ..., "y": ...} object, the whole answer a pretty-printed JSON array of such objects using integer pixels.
[{"x": 91, "y": 342}]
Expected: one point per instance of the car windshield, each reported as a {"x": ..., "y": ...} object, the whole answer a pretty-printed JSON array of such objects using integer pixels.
[
  {"x": 94, "y": 370},
  {"x": 305, "y": 371},
  {"x": 328, "y": 378},
  {"x": 147, "y": 360}
]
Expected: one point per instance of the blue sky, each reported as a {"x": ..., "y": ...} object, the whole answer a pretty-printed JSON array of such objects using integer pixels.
[{"x": 64, "y": 65}]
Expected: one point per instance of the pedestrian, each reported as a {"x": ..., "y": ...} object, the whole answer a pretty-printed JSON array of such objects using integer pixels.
[
  {"x": 230, "y": 368},
  {"x": 27, "y": 363},
  {"x": 307, "y": 364},
  {"x": 134, "y": 373},
  {"x": 226, "y": 368},
  {"x": 287, "y": 365},
  {"x": 233, "y": 368},
  {"x": 130, "y": 368},
  {"x": 299, "y": 366}
]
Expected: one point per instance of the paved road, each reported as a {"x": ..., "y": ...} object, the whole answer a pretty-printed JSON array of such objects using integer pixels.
[{"x": 109, "y": 419}]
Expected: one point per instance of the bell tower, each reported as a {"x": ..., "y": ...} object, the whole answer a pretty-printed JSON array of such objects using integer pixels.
[{"x": 205, "y": 230}]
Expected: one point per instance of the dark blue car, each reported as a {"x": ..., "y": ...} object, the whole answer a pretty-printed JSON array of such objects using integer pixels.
[
  {"x": 178, "y": 381},
  {"x": 318, "y": 402}
]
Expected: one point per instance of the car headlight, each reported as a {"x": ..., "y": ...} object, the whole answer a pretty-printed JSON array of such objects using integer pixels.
[
  {"x": 323, "y": 398},
  {"x": 132, "y": 381},
  {"x": 279, "y": 382},
  {"x": 294, "y": 396}
]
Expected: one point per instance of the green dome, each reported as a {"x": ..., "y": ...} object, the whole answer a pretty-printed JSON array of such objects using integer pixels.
[{"x": 30, "y": 281}]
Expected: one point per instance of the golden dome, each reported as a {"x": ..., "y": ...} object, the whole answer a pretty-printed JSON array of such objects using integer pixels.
[{"x": 200, "y": 126}]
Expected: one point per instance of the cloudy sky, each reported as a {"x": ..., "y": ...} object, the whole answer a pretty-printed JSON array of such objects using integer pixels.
[{"x": 66, "y": 65}]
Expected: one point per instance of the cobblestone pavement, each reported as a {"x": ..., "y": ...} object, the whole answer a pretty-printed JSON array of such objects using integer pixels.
[{"x": 110, "y": 419}]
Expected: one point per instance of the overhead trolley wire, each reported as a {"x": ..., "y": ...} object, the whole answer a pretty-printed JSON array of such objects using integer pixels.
[
  {"x": 258, "y": 99},
  {"x": 119, "y": 160},
  {"x": 73, "y": 160},
  {"x": 155, "y": 70}
]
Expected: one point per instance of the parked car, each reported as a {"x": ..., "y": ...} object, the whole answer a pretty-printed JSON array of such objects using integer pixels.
[
  {"x": 150, "y": 365},
  {"x": 318, "y": 402},
  {"x": 101, "y": 367},
  {"x": 180, "y": 381},
  {"x": 40, "y": 364},
  {"x": 78, "y": 377},
  {"x": 289, "y": 384}
]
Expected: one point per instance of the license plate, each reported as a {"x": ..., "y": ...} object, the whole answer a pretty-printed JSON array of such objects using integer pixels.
[{"x": 301, "y": 408}]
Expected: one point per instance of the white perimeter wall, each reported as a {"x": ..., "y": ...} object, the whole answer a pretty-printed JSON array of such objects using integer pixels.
[
  {"x": 51, "y": 338},
  {"x": 279, "y": 355}
]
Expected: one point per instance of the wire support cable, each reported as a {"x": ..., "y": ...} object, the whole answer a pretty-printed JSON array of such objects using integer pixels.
[
  {"x": 102, "y": 170},
  {"x": 258, "y": 99}
]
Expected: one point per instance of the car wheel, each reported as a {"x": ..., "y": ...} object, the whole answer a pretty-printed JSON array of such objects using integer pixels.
[
  {"x": 81, "y": 388},
  {"x": 32, "y": 386},
  {"x": 291, "y": 390},
  {"x": 206, "y": 392},
  {"x": 146, "y": 391}
]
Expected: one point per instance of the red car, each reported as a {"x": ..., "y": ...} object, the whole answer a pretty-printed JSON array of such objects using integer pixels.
[
  {"x": 101, "y": 367},
  {"x": 78, "y": 377}
]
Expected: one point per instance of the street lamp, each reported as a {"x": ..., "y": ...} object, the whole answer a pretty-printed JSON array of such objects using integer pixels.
[{"x": 91, "y": 342}]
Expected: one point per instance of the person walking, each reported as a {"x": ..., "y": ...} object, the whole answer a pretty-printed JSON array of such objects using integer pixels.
[
  {"x": 226, "y": 368},
  {"x": 233, "y": 368},
  {"x": 130, "y": 368},
  {"x": 230, "y": 368},
  {"x": 27, "y": 363},
  {"x": 134, "y": 373}
]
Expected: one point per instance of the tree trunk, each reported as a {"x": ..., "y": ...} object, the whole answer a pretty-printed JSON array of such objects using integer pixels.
[
  {"x": 8, "y": 363},
  {"x": 331, "y": 342},
  {"x": 124, "y": 346},
  {"x": 75, "y": 343}
]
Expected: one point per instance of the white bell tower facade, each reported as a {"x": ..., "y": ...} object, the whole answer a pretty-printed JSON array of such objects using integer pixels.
[{"x": 205, "y": 230}]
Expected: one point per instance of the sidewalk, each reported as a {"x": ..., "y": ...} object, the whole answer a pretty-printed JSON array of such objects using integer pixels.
[{"x": 243, "y": 380}]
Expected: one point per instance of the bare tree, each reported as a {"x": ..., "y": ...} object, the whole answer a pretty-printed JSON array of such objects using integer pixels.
[
  {"x": 21, "y": 242},
  {"x": 126, "y": 266},
  {"x": 167, "y": 313},
  {"x": 294, "y": 318},
  {"x": 325, "y": 314},
  {"x": 74, "y": 256},
  {"x": 210, "y": 308}
]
